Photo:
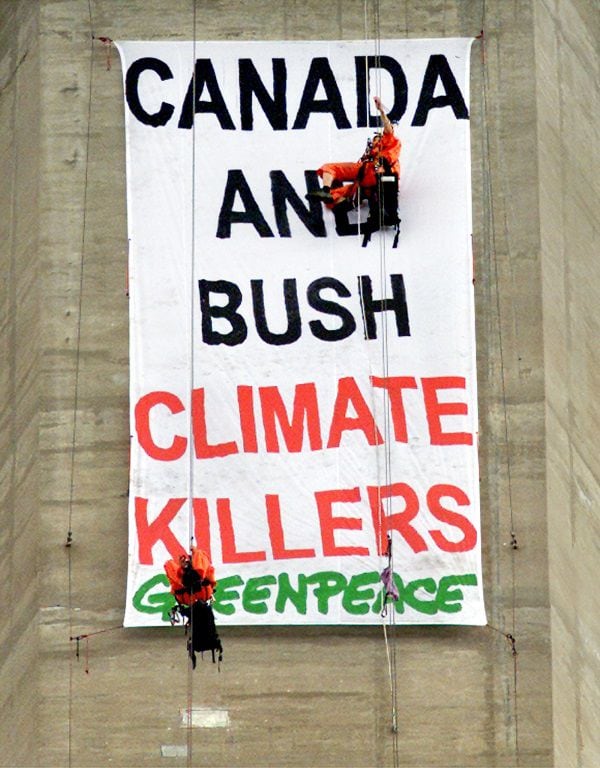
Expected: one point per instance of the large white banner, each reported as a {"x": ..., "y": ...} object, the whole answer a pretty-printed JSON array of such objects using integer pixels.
[{"x": 299, "y": 401}]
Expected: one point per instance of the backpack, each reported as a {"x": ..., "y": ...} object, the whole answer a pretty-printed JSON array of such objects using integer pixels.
[
  {"x": 383, "y": 205},
  {"x": 203, "y": 632}
]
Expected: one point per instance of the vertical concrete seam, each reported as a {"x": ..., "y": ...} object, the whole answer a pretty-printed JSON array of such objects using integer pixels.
[
  {"x": 574, "y": 659},
  {"x": 76, "y": 393},
  {"x": 510, "y": 678},
  {"x": 12, "y": 322}
]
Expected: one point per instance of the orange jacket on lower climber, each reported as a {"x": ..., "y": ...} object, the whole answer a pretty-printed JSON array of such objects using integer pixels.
[{"x": 191, "y": 578}]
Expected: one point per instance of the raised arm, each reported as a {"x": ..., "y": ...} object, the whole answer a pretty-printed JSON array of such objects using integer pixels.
[{"x": 385, "y": 121}]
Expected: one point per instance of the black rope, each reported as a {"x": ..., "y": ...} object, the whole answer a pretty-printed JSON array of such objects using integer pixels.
[
  {"x": 491, "y": 247},
  {"x": 190, "y": 625},
  {"x": 69, "y": 537},
  {"x": 508, "y": 636},
  {"x": 390, "y": 641},
  {"x": 78, "y": 638}
]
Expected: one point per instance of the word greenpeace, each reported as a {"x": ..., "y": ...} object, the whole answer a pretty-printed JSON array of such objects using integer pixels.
[
  {"x": 325, "y": 591},
  {"x": 207, "y": 95}
]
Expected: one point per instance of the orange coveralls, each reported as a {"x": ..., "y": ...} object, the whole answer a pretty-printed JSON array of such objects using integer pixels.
[
  {"x": 386, "y": 146},
  {"x": 203, "y": 569}
]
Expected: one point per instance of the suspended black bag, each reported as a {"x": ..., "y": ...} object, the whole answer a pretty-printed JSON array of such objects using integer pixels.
[
  {"x": 383, "y": 206},
  {"x": 203, "y": 632}
]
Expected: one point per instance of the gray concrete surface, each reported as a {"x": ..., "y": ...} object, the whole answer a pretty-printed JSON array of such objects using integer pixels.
[
  {"x": 20, "y": 355},
  {"x": 568, "y": 104},
  {"x": 297, "y": 696}
]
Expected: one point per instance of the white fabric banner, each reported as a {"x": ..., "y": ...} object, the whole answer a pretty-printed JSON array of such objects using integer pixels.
[{"x": 299, "y": 401}]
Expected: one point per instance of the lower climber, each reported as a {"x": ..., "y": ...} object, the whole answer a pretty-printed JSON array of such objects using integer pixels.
[{"x": 192, "y": 580}]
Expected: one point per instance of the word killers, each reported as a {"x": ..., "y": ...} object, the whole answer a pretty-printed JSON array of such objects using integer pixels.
[
  {"x": 327, "y": 591},
  {"x": 440, "y": 527}
]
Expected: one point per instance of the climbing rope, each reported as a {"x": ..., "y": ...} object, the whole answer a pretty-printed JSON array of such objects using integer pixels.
[
  {"x": 190, "y": 627},
  {"x": 490, "y": 245},
  {"x": 388, "y": 613},
  {"x": 78, "y": 638},
  {"x": 76, "y": 388}
]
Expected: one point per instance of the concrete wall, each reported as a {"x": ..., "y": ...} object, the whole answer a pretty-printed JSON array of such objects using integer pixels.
[
  {"x": 296, "y": 697},
  {"x": 19, "y": 378},
  {"x": 568, "y": 67}
]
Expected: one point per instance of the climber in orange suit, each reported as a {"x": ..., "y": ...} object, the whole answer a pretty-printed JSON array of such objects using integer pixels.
[
  {"x": 191, "y": 578},
  {"x": 192, "y": 581},
  {"x": 381, "y": 156}
]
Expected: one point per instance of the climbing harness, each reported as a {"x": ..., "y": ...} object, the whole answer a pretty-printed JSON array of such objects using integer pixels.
[
  {"x": 391, "y": 593},
  {"x": 381, "y": 197}
]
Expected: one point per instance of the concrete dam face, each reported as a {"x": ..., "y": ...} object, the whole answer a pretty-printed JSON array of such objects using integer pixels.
[{"x": 217, "y": 331}]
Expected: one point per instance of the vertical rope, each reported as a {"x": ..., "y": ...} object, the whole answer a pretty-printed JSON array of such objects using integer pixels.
[
  {"x": 190, "y": 668},
  {"x": 490, "y": 238},
  {"x": 192, "y": 283},
  {"x": 390, "y": 631},
  {"x": 384, "y": 508},
  {"x": 76, "y": 392}
]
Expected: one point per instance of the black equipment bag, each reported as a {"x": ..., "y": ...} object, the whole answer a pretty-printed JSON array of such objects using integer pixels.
[
  {"x": 383, "y": 206},
  {"x": 203, "y": 632}
]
